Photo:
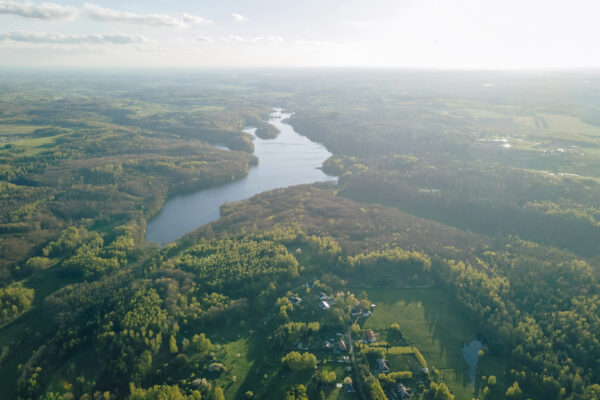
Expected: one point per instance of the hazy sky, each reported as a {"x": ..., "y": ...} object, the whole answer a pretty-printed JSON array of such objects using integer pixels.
[{"x": 281, "y": 33}]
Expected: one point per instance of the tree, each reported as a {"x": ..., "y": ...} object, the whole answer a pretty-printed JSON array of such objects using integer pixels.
[
  {"x": 159, "y": 392},
  {"x": 490, "y": 389},
  {"x": 299, "y": 362},
  {"x": 173, "y": 345},
  {"x": 394, "y": 334},
  {"x": 514, "y": 392},
  {"x": 487, "y": 393},
  {"x": 326, "y": 377},
  {"x": 201, "y": 344},
  {"x": 374, "y": 389},
  {"x": 52, "y": 396},
  {"x": 218, "y": 394},
  {"x": 297, "y": 392},
  {"x": 144, "y": 366},
  {"x": 592, "y": 392},
  {"x": 577, "y": 383},
  {"x": 365, "y": 304},
  {"x": 438, "y": 391}
]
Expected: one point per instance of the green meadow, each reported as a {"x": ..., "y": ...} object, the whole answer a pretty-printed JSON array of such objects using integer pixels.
[{"x": 431, "y": 321}]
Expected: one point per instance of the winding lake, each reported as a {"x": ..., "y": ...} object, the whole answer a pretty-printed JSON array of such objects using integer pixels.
[{"x": 290, "y": 159}]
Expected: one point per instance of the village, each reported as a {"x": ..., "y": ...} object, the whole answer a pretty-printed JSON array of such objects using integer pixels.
[{"x": 353, "y": 353}]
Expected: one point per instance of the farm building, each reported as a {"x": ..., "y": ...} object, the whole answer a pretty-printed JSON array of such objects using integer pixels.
[
  {"x": 403, "y": 391},
  {"x": 383, "y": 365},
  {"x": 371, "y": 337}
]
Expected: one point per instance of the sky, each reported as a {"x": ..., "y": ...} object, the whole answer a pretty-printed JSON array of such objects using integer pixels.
[{"x": 438, "y": 34}]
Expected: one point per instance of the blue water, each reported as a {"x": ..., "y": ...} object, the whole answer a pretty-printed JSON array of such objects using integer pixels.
[
  {"x": 290, "y": 159},
  {"x": 470, "y": 353}
]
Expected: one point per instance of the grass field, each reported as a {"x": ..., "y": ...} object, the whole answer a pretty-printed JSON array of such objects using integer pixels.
[
  {"x": 341, "y": 394},
  {"x": 16, "y": 129},
  {"x": 34, "y": 146},
  {"x": 569, "y": 124},
  {"x": 238, "y": 363},
  {"x": 430, "y": 321},
  {"x": 257, "y": 368}
]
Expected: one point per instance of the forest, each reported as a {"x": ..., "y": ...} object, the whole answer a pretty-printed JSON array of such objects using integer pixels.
[{"x": 462, "y": 212}]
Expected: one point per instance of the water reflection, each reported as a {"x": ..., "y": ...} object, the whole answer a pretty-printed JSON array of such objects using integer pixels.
[{"x": 290, "y": 159}]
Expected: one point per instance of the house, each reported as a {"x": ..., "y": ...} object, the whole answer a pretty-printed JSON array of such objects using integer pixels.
[
  {"x": 383, "y": 365},
  {"x": 371, "y": 337},
  {"x": 404, "y": 392},
  {"x": 327, "y": 345},
  {"x": 197, "y": 382},
  {"x": 323, "y": 296},
  {"x": 214, "y": 367},
  {"x": 295, "y": 300},
  {"x": 298, "y": 250},
  {"x": 342, "y": 345},
  {"x": 310, "y": 284},
  {"x": 356, "y": 312},
  {"x": 367, "y": 314},
  {"x": 324, "y": 305}
]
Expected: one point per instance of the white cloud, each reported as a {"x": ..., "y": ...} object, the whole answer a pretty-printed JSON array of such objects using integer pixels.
[
  {"x": 47, "y": 11},
  {"x": 233, "y": 38},
  {"x": 318, "y": 42},
  {"x": 194, "y": 19},
  {"x": 274, "y": 39},
  {"x": 53, "y": 11},
  {"x": 125, "y": 17},
  {"x": 257, "y": 39},
  {"x": 205, "y": 39},
  {"x": 239, "y": 17},
  {"x": 39, "y": 37},
  {"x": 360, "y": 24}
]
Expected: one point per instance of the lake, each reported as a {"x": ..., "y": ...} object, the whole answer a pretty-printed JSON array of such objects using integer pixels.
[{"x": 290, "y": 159}]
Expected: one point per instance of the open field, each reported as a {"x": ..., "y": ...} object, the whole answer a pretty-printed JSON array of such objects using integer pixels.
[
  {"x": 257, "y": 368},
  {"x": 238, "y": 363},
  {"x": 18, "y": 129},
  {"x": 570, "y": 125},
  {"x": 430, "y": 321},
  {"x": 34, "y": 146}
]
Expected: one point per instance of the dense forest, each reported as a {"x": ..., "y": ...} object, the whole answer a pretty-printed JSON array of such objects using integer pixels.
[{"x": 473, "y": 207}]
